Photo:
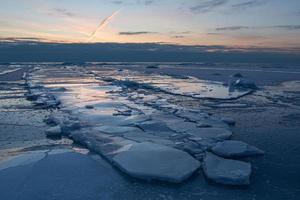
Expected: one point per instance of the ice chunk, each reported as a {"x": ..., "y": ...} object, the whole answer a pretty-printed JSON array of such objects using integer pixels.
[
  {"x": 244, "y": 84},
  {"x": 135, "y": 119},
  {"x": 182, "y": 126},
  {"x": 225, "y": 171},
  {"x": 47, "y": 102},
  {"x": 60, "y": 89},
  {"x": 235, "y": 149},
  {"x": 153, "y": 161},
  {"x": 228, "y": 121},
  {"x": 191, "y": 147},
  {"x": 89, "y": 107},
  {"x": 69, "y": 125},
  {"x": 140, "y": 136},
  {"x": 215, "y": 133},
  {"x": 237, "y": 75},
  {"x": 52, "y": 120},
  {"x": 154, "y": 126},
  {"x": 205, "y": 143},
  {"x": 229, "y": 105},
  {"x": 152, "y": 67},
  {"x": 31, "y": 97},
  {"x": 54, "y": 131},
  {"x": 104, "y": 144},
  {"x": 117, "y": 129}
]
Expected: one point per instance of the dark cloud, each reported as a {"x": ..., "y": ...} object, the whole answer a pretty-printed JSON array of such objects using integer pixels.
[
  {"x": 178, "y": 36},
  {"x": 20, "y": 39},
  {"x": 140, "y": 2},
  {"x": 232, "y": 28},
  {"x": 208, "y": 5},
  {"x": 137, "y": 33},
  {"x": 287, "y": 27}
]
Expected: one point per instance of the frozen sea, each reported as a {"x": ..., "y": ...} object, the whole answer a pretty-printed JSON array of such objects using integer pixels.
[{"x": 102, "y": 112}]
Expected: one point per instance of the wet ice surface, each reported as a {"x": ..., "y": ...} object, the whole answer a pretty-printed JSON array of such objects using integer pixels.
[
  {"x": 186, "y": 86},
  {"x": 111, "y": 111},
  {"x": 21, "y": 122}
]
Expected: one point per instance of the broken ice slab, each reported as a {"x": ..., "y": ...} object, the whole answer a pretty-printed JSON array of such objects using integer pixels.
[
  {"x": 228, "y": 121},
  {"x": 233, "y": 148},
  {"x": 154, "y": 126},
  {"x": 202, "y": 119},
  {"x": 54, "y": 131},
  {"x": 228, "y": 105},
  {"x": 139, "y": 136},
  {"x": 191, "y": 115},
  {"x": 225, "y": 171},
  {"x": 104, "y": 144},
  {"x": 151, "y": 161},
  {"x": 135, "y": 119},
  {"x": 117, "y": 129},
  {"x": 213, "y": 133}
]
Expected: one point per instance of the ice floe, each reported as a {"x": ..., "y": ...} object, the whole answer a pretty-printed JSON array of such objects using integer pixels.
[
  {"x": 54, "y": 131},
  {"x": 153, "y": 161},
  {"x": 215, "y": 133},
  {"x": 225, "y": 171},
  {"x": 233, "y": 148}
]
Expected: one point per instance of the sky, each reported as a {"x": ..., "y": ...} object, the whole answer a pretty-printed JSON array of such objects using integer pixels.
[{"x": 241, "y": 23}]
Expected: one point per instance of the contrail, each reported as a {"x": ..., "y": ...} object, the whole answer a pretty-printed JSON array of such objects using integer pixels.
[{"x": 103, "y": 24}]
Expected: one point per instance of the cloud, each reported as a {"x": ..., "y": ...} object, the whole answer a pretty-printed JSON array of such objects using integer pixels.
[
  {"x": 102, "y": 24},
  {"x": 117, "y": 2},
  {"x": 280, "y": 27},
  {"x": 139, "y": 2},
  {"x": 149, "y": 2},
  {"x": 205, "y": 6},
  {"x": 137, "y": 33},
  {"x": 249, "y": 3},
  {"x": 287, "y": 27},
  {"x": 62, "y": 12},
  {"x": 232, "y": 28},
  {"x": 181, "y": 33},
  {"x": 208, "y": 5},
  {"x": 178, "y": 36},
  {"x": 22, "y": 39}
]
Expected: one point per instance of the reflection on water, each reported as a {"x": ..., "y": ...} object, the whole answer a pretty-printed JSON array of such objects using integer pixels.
[
  {"x": 187, "y": 86},
  {"x": 101, "y": 96}
]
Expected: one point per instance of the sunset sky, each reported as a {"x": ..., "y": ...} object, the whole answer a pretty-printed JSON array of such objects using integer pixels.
[{"x": 258, "y": 23}]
